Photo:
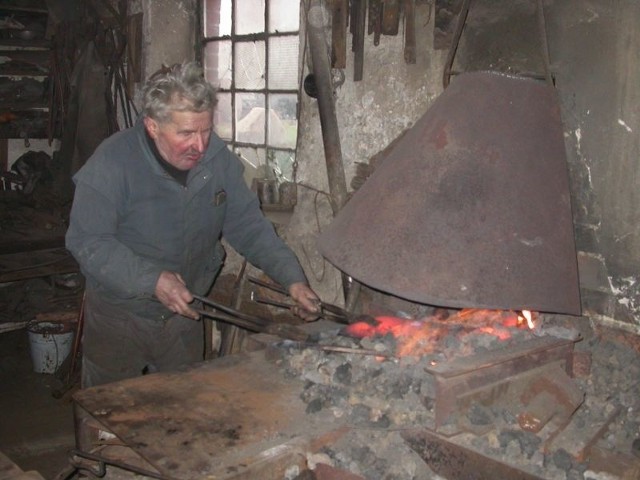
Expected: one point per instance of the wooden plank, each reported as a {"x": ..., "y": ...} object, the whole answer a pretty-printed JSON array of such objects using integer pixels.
[{"x": 22, "y": 266}]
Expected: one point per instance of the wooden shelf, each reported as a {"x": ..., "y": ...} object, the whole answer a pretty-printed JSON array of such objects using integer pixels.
[
  {"x": 18, "y": 105},
  {"x": 30, "y": 124},
  {"x": 24, "y": 111},
  {"x": 26, "y": 9},
  {"x": 19, "y": 43}
]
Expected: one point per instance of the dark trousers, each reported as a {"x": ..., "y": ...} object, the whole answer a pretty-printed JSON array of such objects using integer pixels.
[{"x": 117, "y": 344}]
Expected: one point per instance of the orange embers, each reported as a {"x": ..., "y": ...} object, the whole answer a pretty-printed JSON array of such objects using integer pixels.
[{"x": 421, "y": 337}]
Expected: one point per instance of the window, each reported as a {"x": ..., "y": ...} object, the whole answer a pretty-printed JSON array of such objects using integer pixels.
[{"x": 250, "y": 52}]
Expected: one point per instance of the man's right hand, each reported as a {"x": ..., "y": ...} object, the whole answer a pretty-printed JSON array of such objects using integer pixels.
[{"x": 173, "y": 293}]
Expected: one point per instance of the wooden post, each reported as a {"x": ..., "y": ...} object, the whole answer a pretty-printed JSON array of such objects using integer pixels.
[{"x": 4, "y": 154}]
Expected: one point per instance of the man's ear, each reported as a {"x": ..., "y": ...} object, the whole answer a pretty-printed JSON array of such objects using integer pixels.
[{"x": 152, "y": 127}]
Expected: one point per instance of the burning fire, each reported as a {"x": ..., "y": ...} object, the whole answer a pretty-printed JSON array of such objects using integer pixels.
[
  {"x": 419, "y": 337},
  {"x": 528, "y": 316}
]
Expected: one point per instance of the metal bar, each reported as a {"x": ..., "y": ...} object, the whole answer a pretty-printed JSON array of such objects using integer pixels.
[
  {"x": 544, "y": 44},
  {"x": 454, "y": 461},
  {"x": 337, "y": 349},
  {"x": 325, "y": 313},
  {"x": 317, "y": 22},
  {"x": 462, "y": 17},
  {"x": 358, "y": 40},
  {"x": 250, "y": 322},
  {"x": 232, "y": 320},
  {"x": 231, "y": 311},
  {"x": 455, "y": 379},
  {"x": 331, "y": 309},
  {"x": 102, "y": 461}
]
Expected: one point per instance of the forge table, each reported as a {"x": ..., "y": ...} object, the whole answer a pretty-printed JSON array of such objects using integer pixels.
[{"x": 231, "y": 418}]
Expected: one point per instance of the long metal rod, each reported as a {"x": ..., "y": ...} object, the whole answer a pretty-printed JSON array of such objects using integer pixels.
[
  {"x": 544, "y": 43},
  {"x": 317, "y": 23},
  {"x": 334, "y": 310},
  {"x": 341, "y": 318},
  {"x": 337, "y": 349},
  {"x": 462, "y": 18},
  {"x": 103, "y": 461}
]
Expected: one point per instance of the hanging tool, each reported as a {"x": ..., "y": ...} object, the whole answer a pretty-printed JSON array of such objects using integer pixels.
[
  {"x": 375, "y": 20},
  {"x": 339, "y": 12},
  {"x": 409, "y": 31},
  {"x": 390, "y": 17},
  {"x": 358, "y": 17}
]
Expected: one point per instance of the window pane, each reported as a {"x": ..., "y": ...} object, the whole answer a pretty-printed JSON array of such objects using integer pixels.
[
  {"x": 222, "y": 116},
  {"x": 217, "y": 18},
  {"x": 250, "y": 122},
  {"x": 283, "y": 126},
  {"x": 249, "y": 65},
  {"x": 284, "y": 15},
  {"x": 283, "y": 62},
  {"x": 217, "y": 63},
  {"x": 249, "y": 16},
  {"x": 281, "y": 162},
  {"x": 254, "y": 165},
  {"x": 254, "y": 157}
]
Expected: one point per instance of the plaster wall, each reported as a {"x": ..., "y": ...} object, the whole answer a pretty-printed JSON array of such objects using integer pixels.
[
  {"x": 596, "y": 47},
  {"x": 170, "y": 31}
]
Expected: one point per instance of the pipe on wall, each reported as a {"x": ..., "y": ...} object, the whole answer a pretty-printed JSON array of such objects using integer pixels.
[{"x": 317, "y": 23}]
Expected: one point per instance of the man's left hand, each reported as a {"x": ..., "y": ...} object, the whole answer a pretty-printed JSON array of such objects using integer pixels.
[{"x": 307, "y": 302}]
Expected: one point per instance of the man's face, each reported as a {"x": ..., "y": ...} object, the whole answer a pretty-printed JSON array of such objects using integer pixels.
[{"x": 183, "y": 139}]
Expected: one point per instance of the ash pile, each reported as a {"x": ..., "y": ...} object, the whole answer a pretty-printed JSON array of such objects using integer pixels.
[{"x": 374, "y": 376}]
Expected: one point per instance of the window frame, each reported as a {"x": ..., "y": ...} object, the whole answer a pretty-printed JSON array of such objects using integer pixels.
[{"x": 233, "y": 91}]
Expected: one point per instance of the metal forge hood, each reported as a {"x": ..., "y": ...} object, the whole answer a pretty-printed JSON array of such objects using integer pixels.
[{"x": 471, "y": 208}]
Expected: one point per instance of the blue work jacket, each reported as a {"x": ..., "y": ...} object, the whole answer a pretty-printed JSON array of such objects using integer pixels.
[{"x": 130, "y": 220}]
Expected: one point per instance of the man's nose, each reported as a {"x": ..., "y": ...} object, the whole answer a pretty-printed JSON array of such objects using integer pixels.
[{"x": 199, "y": 142}]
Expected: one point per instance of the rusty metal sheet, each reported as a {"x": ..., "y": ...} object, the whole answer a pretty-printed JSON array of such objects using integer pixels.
[
  {"x": 235, "y": 417},
  {"x": 488, "y": 375},
  {"x": 454, "y": 461},
  {"x": 471, "y": 208}
]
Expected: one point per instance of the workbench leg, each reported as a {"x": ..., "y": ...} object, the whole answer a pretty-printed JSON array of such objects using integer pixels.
[{"x": 86, "y": 429}]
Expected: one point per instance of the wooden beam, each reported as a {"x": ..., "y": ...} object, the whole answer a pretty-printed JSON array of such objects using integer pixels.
[{"x": 4, "y": 154}]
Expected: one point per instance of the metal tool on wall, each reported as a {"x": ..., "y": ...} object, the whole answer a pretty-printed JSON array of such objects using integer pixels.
[{"x": 371, "y": 17}]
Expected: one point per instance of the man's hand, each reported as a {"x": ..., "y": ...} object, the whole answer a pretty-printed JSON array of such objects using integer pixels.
[
  {"x": 307, "y": 302},
  {"x": 172, "y": 292}
]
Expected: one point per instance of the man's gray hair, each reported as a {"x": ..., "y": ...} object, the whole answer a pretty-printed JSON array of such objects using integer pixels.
[{"x": 179, "y": 88}]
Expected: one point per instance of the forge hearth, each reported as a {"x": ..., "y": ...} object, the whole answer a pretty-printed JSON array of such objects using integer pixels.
[
  {"x": 405, "y": 372},
  {"x": 286, "y": 407}
]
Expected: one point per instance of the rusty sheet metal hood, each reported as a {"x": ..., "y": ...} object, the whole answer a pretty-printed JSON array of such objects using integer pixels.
[{"x": 471, "y": 208}]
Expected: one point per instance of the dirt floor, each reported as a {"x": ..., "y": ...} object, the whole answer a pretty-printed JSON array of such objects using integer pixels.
[{"x": 36, "y": 429}]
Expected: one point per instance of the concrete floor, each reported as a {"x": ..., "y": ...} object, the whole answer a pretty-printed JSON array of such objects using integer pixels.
[{"x": 36, "y": 429}]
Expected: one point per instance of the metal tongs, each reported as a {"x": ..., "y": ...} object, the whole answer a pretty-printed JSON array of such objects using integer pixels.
[
  {"x": 327, "y": 310},
  {"x": 249, "y": 322}
]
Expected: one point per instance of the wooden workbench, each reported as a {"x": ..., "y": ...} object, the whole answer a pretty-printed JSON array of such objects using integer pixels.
[{"x": 232, "y": 418}]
